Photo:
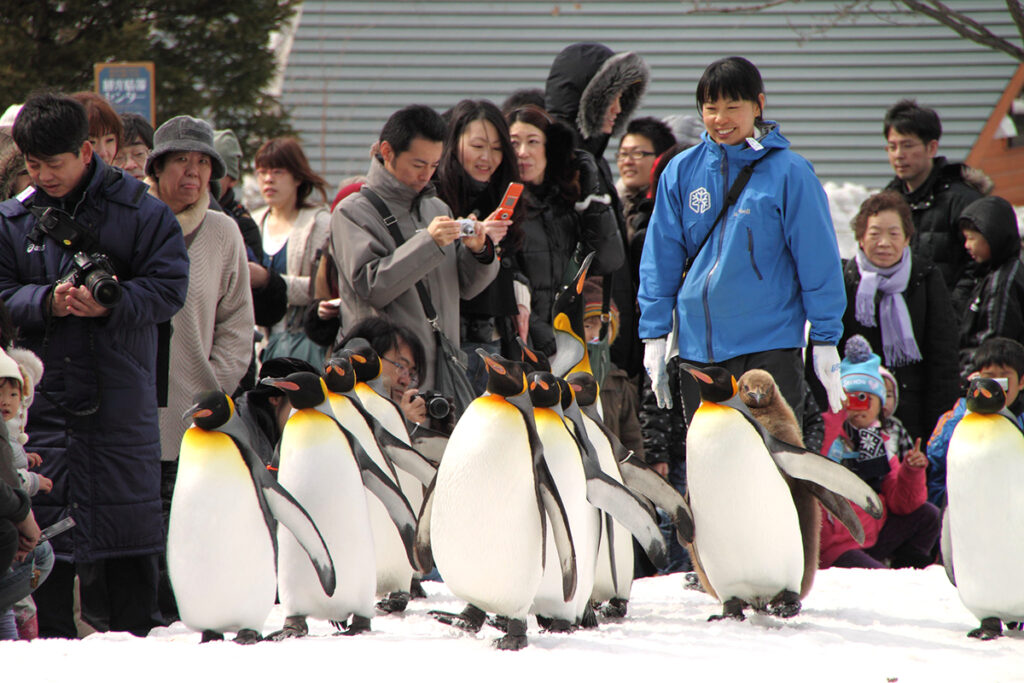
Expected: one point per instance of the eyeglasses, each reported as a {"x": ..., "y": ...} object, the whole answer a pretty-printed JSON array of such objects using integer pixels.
[
  {"x": 635, "y": 155},
  {"x": 403, "y": 369},
  {"x": 905, "y": 146}
]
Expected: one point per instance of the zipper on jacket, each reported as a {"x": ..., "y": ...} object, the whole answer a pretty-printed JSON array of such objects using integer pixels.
[
  {"x": 750, "y": 248},
  {"x": 718, "y": 256}
]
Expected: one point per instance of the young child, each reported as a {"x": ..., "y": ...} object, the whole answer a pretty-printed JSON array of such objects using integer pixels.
[
  {"x": 879, "y": 450},
  {"x": 20, "y": 371},
  {"x": 990, "y": 297},
  {"x": 998, "y": 358}
]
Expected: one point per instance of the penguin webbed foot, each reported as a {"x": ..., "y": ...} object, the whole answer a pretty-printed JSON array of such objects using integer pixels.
[
  {"x": 785, "y": 605},
  {"x": 693, "y": 583},
  {"x": 396, "y": 601},
  {"x": 470, "y": 620},
  {"x": 294, "y": 627},
  {"x": 515, "y": 638},
  {"x": 357, "y": 625},
  {"x": 589, "y": 618},
  {"x": 990, "y": 629},
  {"x": 731, "y": 609},
  {"x": 554, "y": 625},
  {"x": 416, "y": 589},
  {"x": 247, "y": 636},
  {"x": 211, "y": 637},
  {"x": 499, "y": 622},
  {"x": 615, "y": 609}
]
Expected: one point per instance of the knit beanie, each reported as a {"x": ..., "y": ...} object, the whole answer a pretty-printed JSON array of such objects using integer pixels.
[
  {"x": 226, "y": 144},
  {"x": 592, "y": 296},
  {"x": 859, "y": 369}
]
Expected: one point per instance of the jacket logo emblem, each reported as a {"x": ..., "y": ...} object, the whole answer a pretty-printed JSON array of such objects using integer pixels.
[
  {"x": 700, "y": 200},
  {"x": 30, "y": 247}
]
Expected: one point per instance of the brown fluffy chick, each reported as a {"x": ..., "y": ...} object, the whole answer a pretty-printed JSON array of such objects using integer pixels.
[{"x": 760, "y": 393}]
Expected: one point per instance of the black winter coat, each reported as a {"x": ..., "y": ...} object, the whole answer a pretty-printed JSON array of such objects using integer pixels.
[
  {"x": 929, "y": 387},
  {"x": 936, "y": 206},
  {"x": 105, "y": 465}
]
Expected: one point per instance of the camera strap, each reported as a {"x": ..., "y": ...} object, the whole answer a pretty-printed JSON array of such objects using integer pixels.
[{"x": 58, "y": 225}]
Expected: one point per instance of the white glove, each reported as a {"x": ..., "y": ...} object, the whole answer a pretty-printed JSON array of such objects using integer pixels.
[
  {"x": 826, "y": 367},
  {"x": 654, "y": 363}
]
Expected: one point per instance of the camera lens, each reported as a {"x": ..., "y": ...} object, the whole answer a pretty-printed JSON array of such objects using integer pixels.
[
  {"x": 104, "y": 288},
  {"x": 438, "y": 407}
]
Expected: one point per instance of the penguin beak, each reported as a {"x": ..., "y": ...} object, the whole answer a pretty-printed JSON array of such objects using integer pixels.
[
  {"x": 279, "y": 383},
  {"x": 195, "y": 411},
  {"x": 756, "y": 396}
]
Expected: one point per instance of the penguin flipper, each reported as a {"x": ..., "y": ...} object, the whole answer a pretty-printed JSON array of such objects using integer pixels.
[
  {"x": 946, "y": 547},
  {"x": 642, "y": 479},
  {"x": 807, "y": 465},
  {"x": 294, "y": 517},
  {"x": 689, "y": 391},
  {"x": 423, "y": 552},
  {"x": 609, "y": 528},
  {"x": 605, "y": 493},
  {"x": 552, "y": 503},
  {"x": 430, "y": 444},
  {"x": 838, "y": 506},
  {"x": 407, "y": 458},
  {"x": 381, "y": 485}
]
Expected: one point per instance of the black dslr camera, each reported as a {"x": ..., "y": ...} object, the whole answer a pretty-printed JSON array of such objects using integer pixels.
[
  {"x": 95, "y": 272},
  {"x": 438, "y": 406}
]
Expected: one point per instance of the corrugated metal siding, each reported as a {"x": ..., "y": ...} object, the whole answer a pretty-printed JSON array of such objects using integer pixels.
[{"x": 353, "y": 63}]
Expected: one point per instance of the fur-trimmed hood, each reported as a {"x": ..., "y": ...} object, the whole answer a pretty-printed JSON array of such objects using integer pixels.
[
  {"x": 585, "y": 78},
  {"x": 24, "y": 366}
]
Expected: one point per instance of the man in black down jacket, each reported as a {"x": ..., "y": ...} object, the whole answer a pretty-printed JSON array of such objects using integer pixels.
[{"x": 936, "y": 190}]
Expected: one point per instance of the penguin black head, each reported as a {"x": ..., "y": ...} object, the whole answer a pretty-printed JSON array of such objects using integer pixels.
[
  {"x": 364, "y": 359},
  {"x": 535, "y": 360},
  {"x": 212, "y": 409},
  {"x": 584, "y": 386},
  {"x": 568, "y": 397},
  {"x": 304, "y": 389},
  {"x": 339, "y": 376},
  {"x": 985, "y": 396},
  {"x": 544, "y": 389},
  {"x": 716, "y": 383},
  {"x": 504, "y": 377}
]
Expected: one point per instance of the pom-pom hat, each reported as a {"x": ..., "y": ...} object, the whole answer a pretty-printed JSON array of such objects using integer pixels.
[{"x": 860, "y": 368}]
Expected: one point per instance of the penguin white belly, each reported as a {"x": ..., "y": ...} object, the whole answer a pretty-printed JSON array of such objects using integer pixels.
[
  {"x": 220, "y": 556},
  {"x": 394, "y": 573},
  {"x": 318, "y": 469},
  {"x": 563, "y": 458},
  {"x": 485, "y": 518},
  {"x": 605, "y": 587},
  {"x": 746, "y": 528},
  {"x": 984, "y": 479}
]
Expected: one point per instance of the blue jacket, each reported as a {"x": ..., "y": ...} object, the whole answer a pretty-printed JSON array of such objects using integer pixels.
[
  {"x": 105, "y": 466},
  {"x": 771, "y": 265}
]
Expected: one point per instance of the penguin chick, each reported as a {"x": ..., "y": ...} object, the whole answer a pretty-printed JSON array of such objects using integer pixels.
[{"x": 769, "y": 407}]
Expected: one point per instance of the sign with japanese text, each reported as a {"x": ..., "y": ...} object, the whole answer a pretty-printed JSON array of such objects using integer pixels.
[{"x": 130, "y": 87}]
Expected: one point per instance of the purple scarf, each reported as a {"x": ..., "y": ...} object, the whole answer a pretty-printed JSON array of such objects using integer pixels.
[{"x": 898, "y": 344}]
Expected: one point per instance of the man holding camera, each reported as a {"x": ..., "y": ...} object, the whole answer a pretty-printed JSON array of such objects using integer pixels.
[
  {"x": 377, "y": 275},
  {"x": 94, "y": 420}
]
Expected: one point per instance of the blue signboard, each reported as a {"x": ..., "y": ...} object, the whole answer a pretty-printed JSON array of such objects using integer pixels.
[{"x": 130, "y": 87}]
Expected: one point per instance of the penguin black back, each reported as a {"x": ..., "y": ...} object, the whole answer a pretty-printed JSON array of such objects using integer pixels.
[
  {"x": 985, "y": 396},
  {"x": 717, "y": 385},
  {"x": 584, "y": 386},
  {"x": 339, "y": 375},
  {"x": 364, "y": 359},
  {"x": 544, "y": 390},
  {"x": 504, "y": 377}
]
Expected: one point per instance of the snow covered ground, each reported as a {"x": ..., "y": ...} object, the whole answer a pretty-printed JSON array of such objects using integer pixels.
[{"x": 857, "y": 625}]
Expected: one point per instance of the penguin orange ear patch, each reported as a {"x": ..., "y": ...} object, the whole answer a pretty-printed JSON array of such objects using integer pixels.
[
  {"x": 286, "y": 385},
  {"x": 357, "y": 358},
  {"x": 985, "y": 392},
  {"x": 495, "y": 365},
  {"x": 700, "y": 376},
  {"x": 205, "y": 412},
  {"x": 530, "y": 354},
  {"x": 543, "y": 385}
]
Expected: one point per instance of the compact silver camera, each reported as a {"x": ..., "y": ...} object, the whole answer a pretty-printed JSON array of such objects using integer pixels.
[{"x": 467, "y": 227}]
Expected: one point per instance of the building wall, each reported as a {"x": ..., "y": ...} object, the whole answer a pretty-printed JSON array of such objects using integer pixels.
[{"x": 352, "y": 63}]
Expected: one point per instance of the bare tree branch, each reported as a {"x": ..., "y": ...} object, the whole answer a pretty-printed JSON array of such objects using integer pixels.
[{"x": 965, "y": 26}]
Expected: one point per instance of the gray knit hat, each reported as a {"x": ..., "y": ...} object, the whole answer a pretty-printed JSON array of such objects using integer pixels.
[
  {"x": 227, "y": 145},
  {"x": 185, "y": 134}
]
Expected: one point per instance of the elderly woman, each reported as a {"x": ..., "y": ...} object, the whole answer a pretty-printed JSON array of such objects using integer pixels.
[
  {"x": 900, "y": 304},
  {"x": 211, "y": 342}
]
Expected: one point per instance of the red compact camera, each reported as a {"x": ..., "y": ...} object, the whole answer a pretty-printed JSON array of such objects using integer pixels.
[{"x": 858, "y": 400}]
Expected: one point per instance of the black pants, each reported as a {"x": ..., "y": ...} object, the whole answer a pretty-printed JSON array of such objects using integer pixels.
[
  {"x": 8, "y": 544},
  {"x": 118, "y": 594}
]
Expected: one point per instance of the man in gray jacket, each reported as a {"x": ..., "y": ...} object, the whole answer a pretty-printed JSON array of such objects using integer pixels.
[{"x": 377, "y": 276}]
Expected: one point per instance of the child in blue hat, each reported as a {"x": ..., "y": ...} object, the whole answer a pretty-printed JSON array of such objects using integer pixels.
[{"x": 879, "y": 450}]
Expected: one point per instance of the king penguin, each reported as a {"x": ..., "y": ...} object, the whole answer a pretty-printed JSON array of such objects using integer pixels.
[
  {"x": 221, "y": 541},
  {"x": 484, "y": 521},
  {"x": 396, "y": 578},
  {"x": 567, "y": 323},
  {"x": 983, "y": 532},
  {"x": 318, "y": 465},
  {"x": 747, "y": 543}
]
